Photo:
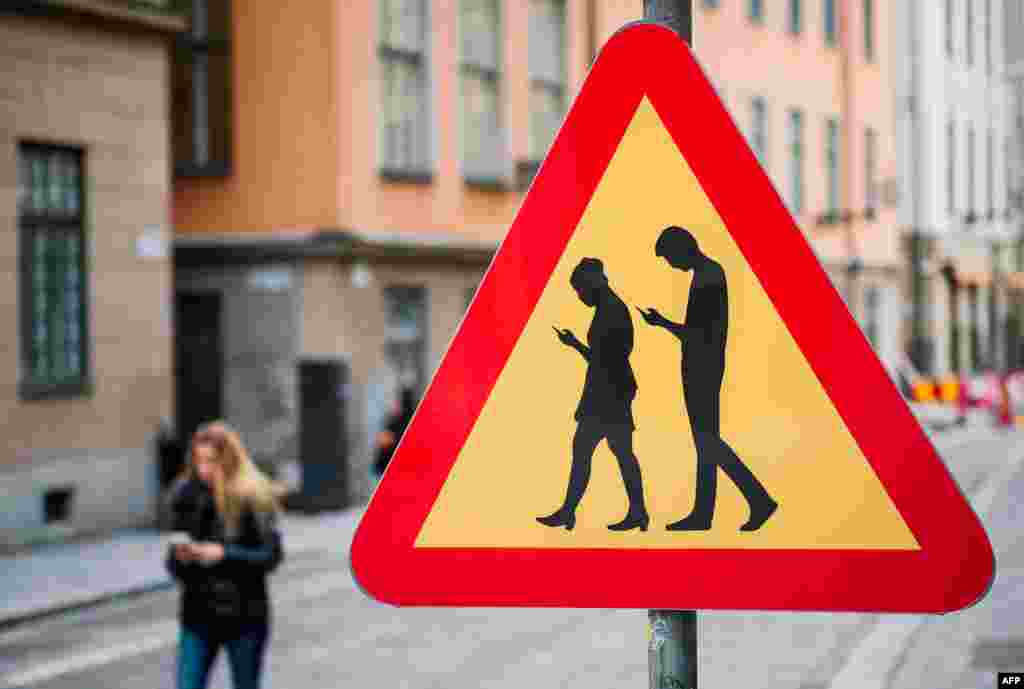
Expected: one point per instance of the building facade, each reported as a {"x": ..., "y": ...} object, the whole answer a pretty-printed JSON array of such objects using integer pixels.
[
  {"x": 343, "y": 199},
  {"x": 812, "y": 85},
  {"x": 953, "y": 127},
  {"x": 84, "y": 183},
  {"x": 1013, "y": 77}
]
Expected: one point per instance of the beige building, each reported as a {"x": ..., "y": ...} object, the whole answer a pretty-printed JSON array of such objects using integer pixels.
[{"x": 84, "y": 188}]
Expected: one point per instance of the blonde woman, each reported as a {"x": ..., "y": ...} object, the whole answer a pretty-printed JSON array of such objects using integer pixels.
[{"x": 226, "y": 512}]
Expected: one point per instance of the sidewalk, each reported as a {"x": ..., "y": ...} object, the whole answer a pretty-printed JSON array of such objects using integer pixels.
[
  {"x": 63, "y": 577},
  {"x": 57, "y": 578}
]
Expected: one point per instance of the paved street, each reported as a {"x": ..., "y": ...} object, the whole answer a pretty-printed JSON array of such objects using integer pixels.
[{"x": 328, "y": 634}]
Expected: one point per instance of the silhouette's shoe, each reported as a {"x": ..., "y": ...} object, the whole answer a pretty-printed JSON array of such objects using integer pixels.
[
  {"x": 560, "y": 518},
  {"x": 760, "y": 516},
  {"x": 691, "y": 523},
  {"x": 640, "y": 521}
]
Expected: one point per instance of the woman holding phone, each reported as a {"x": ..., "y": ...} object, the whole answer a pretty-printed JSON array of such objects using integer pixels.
[{"x": 225, "y": 512}]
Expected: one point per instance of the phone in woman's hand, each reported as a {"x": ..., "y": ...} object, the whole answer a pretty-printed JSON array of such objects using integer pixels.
[{"x": 180, "y": 538}]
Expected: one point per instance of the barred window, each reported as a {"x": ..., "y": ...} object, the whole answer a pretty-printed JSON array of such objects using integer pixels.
[
  {"x": 482, "y": 138},
  {"x": 404, "y": 122},
  {"x": 54, "y": 351},
  {"x": 547, "y": 73}
]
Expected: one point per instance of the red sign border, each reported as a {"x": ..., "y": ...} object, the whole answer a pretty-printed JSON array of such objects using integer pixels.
[{"x": 954, "y": 567}]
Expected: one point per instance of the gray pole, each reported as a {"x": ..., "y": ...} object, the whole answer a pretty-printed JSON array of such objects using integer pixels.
[{"x": 672, "y": 634}]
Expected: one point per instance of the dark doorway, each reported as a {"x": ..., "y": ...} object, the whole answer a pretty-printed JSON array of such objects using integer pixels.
[{"x": 199, "y": 366}]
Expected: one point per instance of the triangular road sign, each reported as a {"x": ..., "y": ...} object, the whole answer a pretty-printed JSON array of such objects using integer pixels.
[{"x": 829, "y": 495}]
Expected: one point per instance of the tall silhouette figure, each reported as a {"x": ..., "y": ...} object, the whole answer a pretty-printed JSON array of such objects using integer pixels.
[
  {"x": 605, "y": 407},
  {"x": 703, "y": 336}
]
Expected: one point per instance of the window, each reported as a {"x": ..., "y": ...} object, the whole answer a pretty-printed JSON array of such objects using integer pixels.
[
  {"x": 759, "y": 129},
  {"x": 830, "y": 22},
  {"x": 988, "y": 36},
  {"x": 872, "y": 302},
  {"x": 710, "y": 3},
  {"x": 832, "y": 164},
  {"x": 52, "y": 252},
  {"x": 970, "y": 171},
  {"x": 951, "y": 167},
  {"x": 479, "y": 41},
  {"x": 201, "y": 92},
  {"x": 870, "y": 172},
  {"x": 755, "y": 10},
  {"x": 969, "y": 37},
  {"x": 404, "y": 127},
  {"x": 991, "y": 187},
  {"x": 869, "y": 30},
  {"x": 796, "y": 162},
  {"x": 547, "y": 73},
  {"x": 949, "y": 27},
  {"x": 406, "y": 335},
  {"x": 795, "y": 18}
]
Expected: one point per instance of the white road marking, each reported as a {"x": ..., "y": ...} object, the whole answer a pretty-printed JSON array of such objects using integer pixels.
[
  {"x": 872, "y": 662},
  {"x": 160, "y": 635}
]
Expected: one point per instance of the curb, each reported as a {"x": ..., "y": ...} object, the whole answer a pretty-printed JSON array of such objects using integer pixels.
[
  {"x": 77, "y": 604},
  {"x": 73, "y": 605}
]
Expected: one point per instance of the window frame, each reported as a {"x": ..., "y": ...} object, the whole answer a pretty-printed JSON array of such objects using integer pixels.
[
  {"x": 755, "y": 12},
  {"x": 868, "y": 17},
  {"x": 759, "y": 129},
  {"x": 187, "y": 47},
  {"x": 832, "y": 143},
  {"x": 969, "y": 32},
  {"x": 795, "y": 146},
  {"x": 30, "y": 224},
  {"x": 491, "y": 180},
  {"x": 794, "y": 18},
  {"x": 951, "y": 206},
  {"x": 870, "y": 172},
  {"x": 392, "y": 293},
  {"x": 418, "y": 171},
  {"x": 552, "y": 87},
  {"x": 830, "y": 24}
]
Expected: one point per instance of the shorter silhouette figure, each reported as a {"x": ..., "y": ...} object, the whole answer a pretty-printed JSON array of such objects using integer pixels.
[
  {"x": 703, "y": 336},
  {"x": 605, "y": 407}
]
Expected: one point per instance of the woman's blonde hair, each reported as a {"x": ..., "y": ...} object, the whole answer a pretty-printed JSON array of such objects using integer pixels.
[{"x": 244, "y": 485}]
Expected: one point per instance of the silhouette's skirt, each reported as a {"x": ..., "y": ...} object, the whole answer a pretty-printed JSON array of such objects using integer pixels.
[{"x": 607, "y": 412}]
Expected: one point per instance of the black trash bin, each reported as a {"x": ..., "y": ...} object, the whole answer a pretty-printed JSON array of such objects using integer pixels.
[{"x": 323, "y": 436}]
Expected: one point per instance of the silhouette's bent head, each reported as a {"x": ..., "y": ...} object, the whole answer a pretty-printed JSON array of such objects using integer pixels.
[
  {"x": 678, "y": 247},
  {"x": 589, "y": 280}
]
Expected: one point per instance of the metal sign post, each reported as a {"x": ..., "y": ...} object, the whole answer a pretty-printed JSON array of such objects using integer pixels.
[{"x": 672, "y": 634}]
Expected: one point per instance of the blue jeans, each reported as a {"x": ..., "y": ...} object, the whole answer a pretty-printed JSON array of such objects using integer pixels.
[{"x": 198, "y": 648}]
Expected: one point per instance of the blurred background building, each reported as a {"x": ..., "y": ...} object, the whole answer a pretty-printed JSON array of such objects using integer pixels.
[
  {"x": 337, "y": 175},
  {"x": 85, "y": 183}
]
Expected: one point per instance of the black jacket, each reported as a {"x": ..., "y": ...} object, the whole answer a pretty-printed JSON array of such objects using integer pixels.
[{"x": 233, "y": 590}]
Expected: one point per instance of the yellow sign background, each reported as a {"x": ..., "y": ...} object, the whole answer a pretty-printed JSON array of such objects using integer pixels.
[{"x": 514, "y": 466}]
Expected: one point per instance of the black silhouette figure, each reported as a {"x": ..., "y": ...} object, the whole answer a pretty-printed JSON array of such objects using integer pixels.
[
  {"x": 703, "y": 338},
  {"x": 605, "y": 407}
]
